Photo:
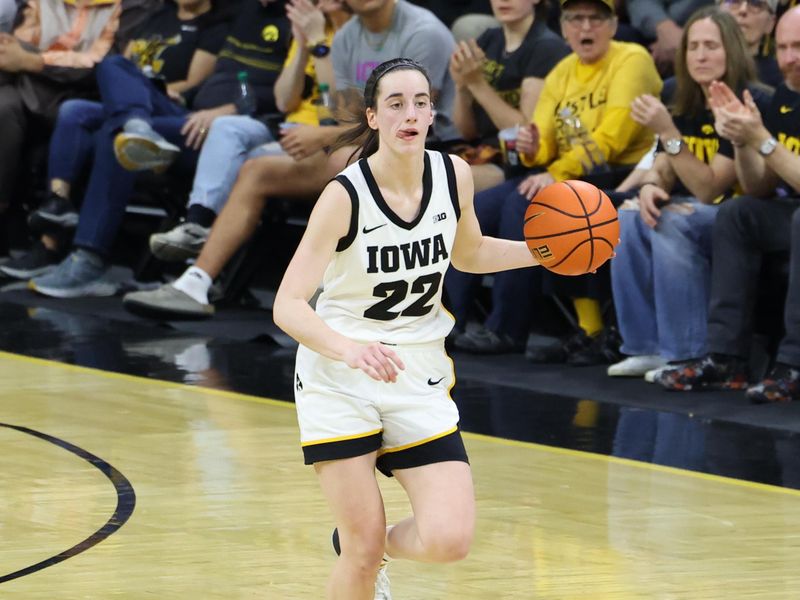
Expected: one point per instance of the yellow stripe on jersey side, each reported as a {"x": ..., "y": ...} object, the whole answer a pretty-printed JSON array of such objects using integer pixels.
[
  {"x": 343, "y": 438},
  {"x": 419, "y": 443}
]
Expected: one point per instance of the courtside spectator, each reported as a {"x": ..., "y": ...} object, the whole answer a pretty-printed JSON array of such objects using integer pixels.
[
  {"x": 233, "y": 140},
  {"x": 756, "y": 19},
  {"x": 177, "y": 48},
  {"x": 380, "y": 31},
  {"x": 661, "y": 23},
  {"x": 767, "y": 158},
  {"x": 48, "y": 58},
  {"x": 499, "y": 78},
  {"x": 257, "y": 44},
  {"x": 595, "y": 85},
  {"x": 661, "y": 273}
]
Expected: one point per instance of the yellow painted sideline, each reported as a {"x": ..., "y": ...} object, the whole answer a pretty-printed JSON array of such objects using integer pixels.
[{"x": 475, "y": 436}]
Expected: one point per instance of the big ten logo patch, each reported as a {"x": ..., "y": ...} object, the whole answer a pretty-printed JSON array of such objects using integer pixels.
[
  {"x": 439, "y": 217},
  {"x": 542, "y": 253},
  {"x": 270, "y": 33}
]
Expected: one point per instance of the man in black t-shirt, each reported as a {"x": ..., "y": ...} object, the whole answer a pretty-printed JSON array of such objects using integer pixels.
[{"x": 767, "y": 156}]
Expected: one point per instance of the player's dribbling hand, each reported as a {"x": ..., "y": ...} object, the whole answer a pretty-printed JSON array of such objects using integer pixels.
[{"x": 376, "y": 360}]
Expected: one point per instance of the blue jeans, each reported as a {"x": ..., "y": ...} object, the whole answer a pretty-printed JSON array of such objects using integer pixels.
[
  {"x": 86, "y": 128},
  {"x": 231, "y": 141},
  {"x": 72, "y": 143},
  {"x": 661, "y": 279},
  {"x": 501, "y": 212}
]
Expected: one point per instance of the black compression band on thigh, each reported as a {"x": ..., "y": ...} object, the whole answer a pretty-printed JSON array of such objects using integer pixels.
[
  {"x": 341, "y": 449},
  {"x": 449, "y": 447}
]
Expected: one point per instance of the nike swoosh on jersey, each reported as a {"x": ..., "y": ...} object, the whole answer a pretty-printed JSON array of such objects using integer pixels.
[
  {"x": 371, "y": 229},
  {"x": 785, "y": 109},
  {"x": 432, "y": 382}
]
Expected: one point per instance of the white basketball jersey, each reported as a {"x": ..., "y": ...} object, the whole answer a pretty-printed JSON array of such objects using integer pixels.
[{"x": 384, "y": 283}]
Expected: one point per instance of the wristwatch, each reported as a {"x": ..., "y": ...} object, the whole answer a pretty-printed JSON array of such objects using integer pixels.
[
  {"x": 673, "y": 146},
  {"x": 320, "y": 50},
  {"x": 768, "y": 146}
]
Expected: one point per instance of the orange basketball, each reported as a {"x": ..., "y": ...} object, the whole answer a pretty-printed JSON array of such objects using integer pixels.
[{"x": 571, "y": 227}]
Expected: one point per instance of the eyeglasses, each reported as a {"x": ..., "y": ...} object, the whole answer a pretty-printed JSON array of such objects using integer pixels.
[
  {"x": 754, "y": 5},
  {"x": 576, "y": 20}
]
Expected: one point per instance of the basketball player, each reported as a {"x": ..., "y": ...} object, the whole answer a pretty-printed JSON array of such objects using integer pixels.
[{"x": 372, "y": 378}]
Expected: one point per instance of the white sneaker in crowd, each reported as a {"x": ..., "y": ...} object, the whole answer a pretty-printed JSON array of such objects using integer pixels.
[
  {"x": 180, "y": 243},
  {"x": 636, "y": 366}
]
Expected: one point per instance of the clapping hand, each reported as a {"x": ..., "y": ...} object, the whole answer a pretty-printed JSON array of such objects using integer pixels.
[
  {"x": 308, "y": 22},
  {"x": 735, "y": 120},
  {"x": 649, "y": 111},
  {"x": 466, "y": 64}
]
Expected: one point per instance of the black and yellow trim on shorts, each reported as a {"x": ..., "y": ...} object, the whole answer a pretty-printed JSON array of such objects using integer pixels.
[
  {"x": 342, "y": 447},
  {"x": 443, "y": 447}
]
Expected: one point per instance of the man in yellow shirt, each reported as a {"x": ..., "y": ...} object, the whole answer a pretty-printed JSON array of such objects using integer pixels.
[
  {"x": 581, "y": 130},
  {"x": 594, "y": 86}
]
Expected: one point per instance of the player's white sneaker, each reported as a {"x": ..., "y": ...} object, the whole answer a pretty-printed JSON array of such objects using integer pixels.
[{"x": 382, "y": 591}]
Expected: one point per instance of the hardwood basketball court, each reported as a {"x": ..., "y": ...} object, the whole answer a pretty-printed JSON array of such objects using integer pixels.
[{"x": 161, "y": 490}]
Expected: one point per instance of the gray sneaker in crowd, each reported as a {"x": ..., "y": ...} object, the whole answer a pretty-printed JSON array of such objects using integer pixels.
[
  {"x": 55, "y": 214},
  {"x": 140, "y": 148},
  {"x": 181, "y": 243},
  {"x": 166, "y": 302},
  {"x": 36, "y": 261},
  {"x": 79, "y": 275}
]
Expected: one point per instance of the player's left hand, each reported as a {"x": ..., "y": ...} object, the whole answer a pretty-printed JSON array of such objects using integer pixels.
[
  {"x": 376, "y": 360},
  {"x": 531, "y": 185},
  {"x": 301, "y": 141}
]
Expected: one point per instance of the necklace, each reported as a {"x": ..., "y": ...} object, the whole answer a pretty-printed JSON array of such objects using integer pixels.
[{"x": 376, "y": 41}]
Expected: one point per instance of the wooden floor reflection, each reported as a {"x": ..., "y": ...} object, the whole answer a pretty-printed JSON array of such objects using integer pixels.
[{"x": 225, "y": 508}]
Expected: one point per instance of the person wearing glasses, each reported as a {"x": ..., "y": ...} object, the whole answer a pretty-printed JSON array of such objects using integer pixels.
[
  {"x": 662, "y": 272},
  {"x": 595, "y": 85},
  {"x": 766, "y": 220},
  {"x": 756, "y": 19}
]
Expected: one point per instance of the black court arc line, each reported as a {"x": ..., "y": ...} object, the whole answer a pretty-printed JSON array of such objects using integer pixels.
[{"x": 126, "y": 501}]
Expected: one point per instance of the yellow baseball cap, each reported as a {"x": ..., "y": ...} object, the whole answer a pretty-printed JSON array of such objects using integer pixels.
[{"x": 609, "y": 4}]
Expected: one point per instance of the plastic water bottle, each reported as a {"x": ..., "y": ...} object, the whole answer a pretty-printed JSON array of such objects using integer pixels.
[
  {"x": 575, "y": 134},
  {"x": 247, "y": 100},
  {"x": 325, "y": 106}
]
